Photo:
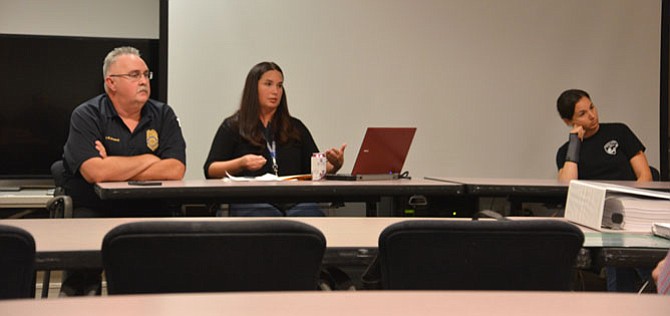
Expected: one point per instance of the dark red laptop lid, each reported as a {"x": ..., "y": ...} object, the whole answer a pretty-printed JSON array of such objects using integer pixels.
[{"x": 384, "y": 150}]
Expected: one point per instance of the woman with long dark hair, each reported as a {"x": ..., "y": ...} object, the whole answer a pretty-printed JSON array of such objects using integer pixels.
[{"x": 262, "y": 137}]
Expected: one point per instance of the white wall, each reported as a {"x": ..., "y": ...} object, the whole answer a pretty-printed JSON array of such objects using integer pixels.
[
  {"x": 478, "y": 78},
  {"x": 94, "y": 18}
]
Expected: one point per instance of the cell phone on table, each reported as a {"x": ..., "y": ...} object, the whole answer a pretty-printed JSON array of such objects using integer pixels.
[{"x": 144, "y": 182}]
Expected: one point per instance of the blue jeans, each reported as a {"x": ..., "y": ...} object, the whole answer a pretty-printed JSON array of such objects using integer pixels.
[{"x": 269, "y": 210}]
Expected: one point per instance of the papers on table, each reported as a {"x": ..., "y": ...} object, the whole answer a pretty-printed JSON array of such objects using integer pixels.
[
  {"x": 661, "y": 230},
  {"x": 267, "y": 177}
]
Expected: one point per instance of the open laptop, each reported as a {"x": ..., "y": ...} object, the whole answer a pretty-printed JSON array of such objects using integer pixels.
[{"x": 382, "y": 154}]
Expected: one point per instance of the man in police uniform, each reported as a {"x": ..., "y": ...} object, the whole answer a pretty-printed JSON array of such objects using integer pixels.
[{"x": 121, "y": 135}]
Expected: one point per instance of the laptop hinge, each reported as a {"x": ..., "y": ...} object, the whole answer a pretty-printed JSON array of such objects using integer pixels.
[{"x": 372, "y": 177}]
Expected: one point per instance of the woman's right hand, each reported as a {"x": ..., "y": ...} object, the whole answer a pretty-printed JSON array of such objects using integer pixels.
[
  {"x": 253, "y": 162},
  {"x": 579, "y": 130}
]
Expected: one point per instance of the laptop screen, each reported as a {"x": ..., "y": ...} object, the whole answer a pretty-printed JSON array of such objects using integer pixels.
[{"x": 383, "y": 150}]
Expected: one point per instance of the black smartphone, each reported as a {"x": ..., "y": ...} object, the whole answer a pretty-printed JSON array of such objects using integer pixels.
[{"x": 134, "y": 182}]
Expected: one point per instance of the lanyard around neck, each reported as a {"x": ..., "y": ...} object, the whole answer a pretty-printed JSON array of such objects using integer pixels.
[{"x": 273, "y": 153}]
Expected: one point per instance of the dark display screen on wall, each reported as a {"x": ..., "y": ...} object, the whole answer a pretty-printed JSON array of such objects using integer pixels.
[{"x": 42, "y": 79}]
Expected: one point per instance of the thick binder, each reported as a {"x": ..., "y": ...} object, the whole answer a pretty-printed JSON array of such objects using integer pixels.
[{"x": 605, "y": 206}]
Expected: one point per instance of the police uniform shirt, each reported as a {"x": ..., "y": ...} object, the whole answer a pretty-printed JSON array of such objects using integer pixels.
[{"x": 158, "y": 133}]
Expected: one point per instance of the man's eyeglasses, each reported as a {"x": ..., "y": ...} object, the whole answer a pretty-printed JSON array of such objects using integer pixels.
[{"x": 136, "y": 75}]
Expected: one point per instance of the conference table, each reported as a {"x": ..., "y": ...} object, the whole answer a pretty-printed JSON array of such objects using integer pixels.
[
  {"x": 518, "y": 191},
  {"x": 25, "y": 198},
  {"x": 539, "y": 187},
  {"x": 515, "y": 190},
  {"x": 220, "y": 191},
  {"x": 459, "y": 195},
  {"x": 389, "y": 303},
  {"x": 21, "y": 202},
  {"x": 76, "y": 243}
]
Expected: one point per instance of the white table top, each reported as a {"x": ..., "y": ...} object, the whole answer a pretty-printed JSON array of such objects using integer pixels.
[
  {"x": 501, "y": 181},
  {"x": 86, "y": 234},
  {"x": 63, "y": 243},
  {"x": 25, "y": 198},
  {"x": 544, "y": 183},
  {"x": 388, "y": 303}
]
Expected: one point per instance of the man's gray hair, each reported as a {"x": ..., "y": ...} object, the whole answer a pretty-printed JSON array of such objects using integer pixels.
[{"x": 116, "y": 52}]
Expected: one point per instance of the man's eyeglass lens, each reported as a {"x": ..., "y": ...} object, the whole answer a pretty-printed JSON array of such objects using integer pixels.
[{"x": 136, "y": 75}]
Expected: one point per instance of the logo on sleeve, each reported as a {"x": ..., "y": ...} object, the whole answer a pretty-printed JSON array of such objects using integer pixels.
[
  {"x": 152, "y": 139},
  {"x": 611, "y": 146}
]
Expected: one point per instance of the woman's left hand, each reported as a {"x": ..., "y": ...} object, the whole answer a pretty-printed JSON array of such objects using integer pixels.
[{"x": 335, "y": 158}]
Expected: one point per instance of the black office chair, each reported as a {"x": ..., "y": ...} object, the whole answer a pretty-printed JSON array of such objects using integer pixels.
[
  {"x": 655, "y": 174},
  {"x": 479, "y": 255},
  {"x": 212, "y": 256},
  {"x": 61, "y": 204},
  {"x": 17, "y": 263}
]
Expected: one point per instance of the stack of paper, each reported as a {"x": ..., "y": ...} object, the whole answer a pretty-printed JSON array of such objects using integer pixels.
[
  {"x": 661, "y": 229},
  {"x": 634, "y": 213},
  {"x": 268, "y": 177}
]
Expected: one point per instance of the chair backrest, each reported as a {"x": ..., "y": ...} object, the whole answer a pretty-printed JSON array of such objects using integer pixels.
[
  {"x": 479, "y": 255},
  {"x": 212, "y": 256},
  {"x": 655, "y": 174},
  {"x": 17, "y": 263},
  {"x": 58, "y": 174},
  {"x": 61, "y": 204}
]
